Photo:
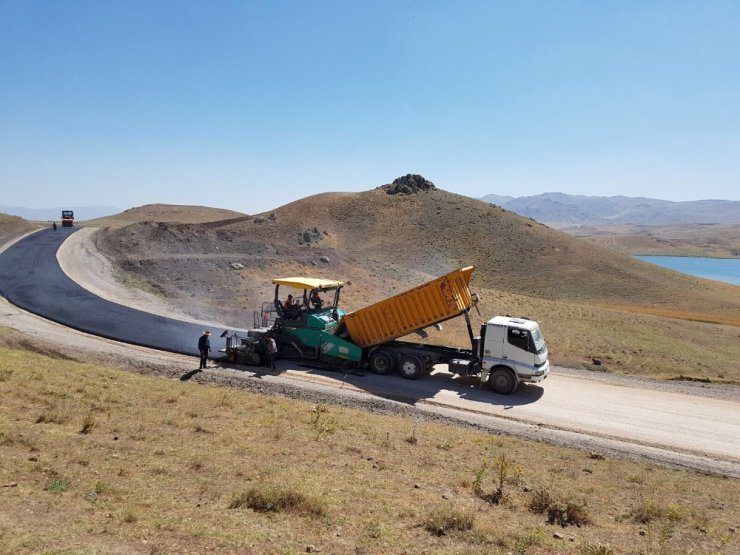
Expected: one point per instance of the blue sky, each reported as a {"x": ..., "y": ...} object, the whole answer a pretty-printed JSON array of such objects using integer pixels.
[{"x": 249, "y": 105}]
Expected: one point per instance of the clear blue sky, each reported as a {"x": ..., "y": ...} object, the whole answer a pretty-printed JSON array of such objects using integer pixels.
[{"x": 250, "y": 105}]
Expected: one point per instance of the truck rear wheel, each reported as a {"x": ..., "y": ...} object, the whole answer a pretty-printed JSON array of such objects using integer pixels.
[
  {"x": 502, "y": 381},
  {"x": 411, "y": 367},
  {"x": 381, "y": 362}
]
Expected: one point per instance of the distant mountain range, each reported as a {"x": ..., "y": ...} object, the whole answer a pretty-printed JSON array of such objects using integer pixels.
[
  {"x": 52, "y": 214},
  {"x": 560, "y": 210}
]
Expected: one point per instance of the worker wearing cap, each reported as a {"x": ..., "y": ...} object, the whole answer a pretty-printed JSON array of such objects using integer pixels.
[{"x": 204, "y": 345}]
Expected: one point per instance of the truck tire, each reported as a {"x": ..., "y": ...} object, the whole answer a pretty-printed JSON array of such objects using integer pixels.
[
  {"x": 502, "y": 380},
  {"x": 411, "y": 367},
  {"x": 382, "y": 362}
]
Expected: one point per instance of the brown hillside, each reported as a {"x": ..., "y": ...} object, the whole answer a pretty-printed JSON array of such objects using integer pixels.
[
  {"x": 13, "y": 226},
  {"x": 713, "y": 240},
  {"x": 165, "y": 213},
  {"x": 383, "y": 244}
]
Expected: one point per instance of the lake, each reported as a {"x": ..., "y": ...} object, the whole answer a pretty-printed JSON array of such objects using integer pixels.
[{"x": 721, "y": 269}]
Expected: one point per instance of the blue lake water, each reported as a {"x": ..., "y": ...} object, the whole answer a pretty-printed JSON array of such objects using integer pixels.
[{"x": 721, "y": 269}]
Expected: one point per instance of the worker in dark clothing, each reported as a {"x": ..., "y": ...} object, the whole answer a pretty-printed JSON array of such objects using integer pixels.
[
  {"x": 316, "y": 299},
  {"x": 54, "y": 226},
  {"x": 204, "y": 345}
]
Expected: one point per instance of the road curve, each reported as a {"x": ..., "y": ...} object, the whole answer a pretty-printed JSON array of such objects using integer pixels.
[
  {"x": 653, "y": 421},
  {"x": 30, "y": 278}
]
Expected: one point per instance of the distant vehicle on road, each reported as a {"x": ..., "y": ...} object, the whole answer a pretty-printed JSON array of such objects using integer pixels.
[{"x": 68, "y": 218}]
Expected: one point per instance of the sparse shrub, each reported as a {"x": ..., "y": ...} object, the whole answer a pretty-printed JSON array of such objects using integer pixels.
[
  {"x": 101, "y": 488},
  {"x": 5, "y": 374},
  {"x": 540, "y": 501},
  {"x": 504, "y": 471},
  {"x": 533, "y": 537},
  {"x": 57, "y": 485},
  {"x": 271, "y": 498},
  {"x": 129, "y": 516},
  {"x": 559, "y": 511},
  {"x": 412, "y": 439},
  {"x": 88, "y": 424},
  {"x": 646, "y": 512},
  {"x": 568, "y": 512},
  {"x": 321, "y": 422},
  {"x": 447, "y": 519}
]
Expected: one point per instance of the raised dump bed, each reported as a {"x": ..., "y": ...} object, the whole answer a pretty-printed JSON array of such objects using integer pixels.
[{"x": 428, "y": 304}]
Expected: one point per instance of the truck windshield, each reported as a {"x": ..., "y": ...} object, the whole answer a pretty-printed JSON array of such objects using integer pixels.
[{"x": 539, "y": 341}]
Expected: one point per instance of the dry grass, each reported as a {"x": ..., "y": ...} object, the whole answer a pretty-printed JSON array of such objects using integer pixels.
[{"x": 167, "y": 459}]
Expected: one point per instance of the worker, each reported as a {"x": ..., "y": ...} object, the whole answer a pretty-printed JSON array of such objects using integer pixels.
[
  {"x": 204, "y": 345},
  {"x": 316, "y": 300},
  {"x": 54, "y": 226},
  {"x": 288, "y": 304},
  {"x": 271, "y": 350}
]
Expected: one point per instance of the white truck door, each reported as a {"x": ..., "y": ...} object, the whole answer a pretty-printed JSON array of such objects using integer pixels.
[
  {"x": 494, "y": 342},
  {"x": 516, "y": 349}
]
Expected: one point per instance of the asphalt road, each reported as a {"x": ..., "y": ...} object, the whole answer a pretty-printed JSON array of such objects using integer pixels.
[{"x": 30, "y": 277}]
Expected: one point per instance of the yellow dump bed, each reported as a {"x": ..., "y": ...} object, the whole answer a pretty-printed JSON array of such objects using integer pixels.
[{"x": 435, "y": 301}]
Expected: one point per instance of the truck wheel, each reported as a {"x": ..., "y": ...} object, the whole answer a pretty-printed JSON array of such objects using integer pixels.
[
  {"x": 411, "y": 367},
  {"x": 502, "y": 381},
  {"x": 381, "y": 362}
]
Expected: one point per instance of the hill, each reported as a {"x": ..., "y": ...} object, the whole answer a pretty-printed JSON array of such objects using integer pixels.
[
  {"x": 561, "y": 210},
  {"x": 711, "y": 240},
  {"x": 183, "y": 214},
  {"x": 13, "y": 226},
  {"x": 591, "y": 301}
]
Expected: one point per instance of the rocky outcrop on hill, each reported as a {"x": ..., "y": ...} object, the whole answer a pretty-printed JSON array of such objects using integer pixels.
[{"x": 408, "y": 185}]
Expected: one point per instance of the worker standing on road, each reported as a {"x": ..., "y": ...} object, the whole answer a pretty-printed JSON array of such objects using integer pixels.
[
  {"x": 204, "y": 345},
  {"x": 271, "y": 350},
  {"x": 54, "y": 226}
]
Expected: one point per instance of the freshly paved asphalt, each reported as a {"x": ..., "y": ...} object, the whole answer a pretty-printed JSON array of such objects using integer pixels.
[{"x": 31, "y": 278}]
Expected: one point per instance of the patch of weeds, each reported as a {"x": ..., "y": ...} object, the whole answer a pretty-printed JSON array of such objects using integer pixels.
[
  {"x": 445, "y": 445},
  {"x": 376, "y": 531},
  {"x": 568, "y": 512},
  {"x": 559, "y": 511},
  {"x": 101, "y": 488},
  {"x": 322, "y": 422},
  {"x": 411, "y": 439},
  {"x": 5, "y": 374},
  {"x": 52, "y": 415},
  {"x": 504, "y": 471},
  {"x": 532, "y": 538},
  {"x": 597, "y": 549},
  {"x": 445, "y": 520},
  {"x": 272, "y": 498},
  {"x": 57, "y": 485},
  {"x": 129, "y": 516},
  {"x": 645, "y": 512},
  {"x": 541, "y": 500},
  {"x": 88, "y": 424}
]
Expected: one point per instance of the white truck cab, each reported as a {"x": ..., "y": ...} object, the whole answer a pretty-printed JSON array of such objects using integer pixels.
[{"x": 512, "y": 351}]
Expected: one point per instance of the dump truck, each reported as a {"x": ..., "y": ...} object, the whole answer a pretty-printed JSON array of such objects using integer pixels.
[
  {"x": 508, "y": 351},
  {"x": 68, "y": 218}
]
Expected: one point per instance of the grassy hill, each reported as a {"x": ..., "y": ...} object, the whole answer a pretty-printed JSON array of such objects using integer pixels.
[
  {"x": 591, "y": 301},
  {"x": 99, "y": 460},
  {"x": 13, "y": 226}
]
